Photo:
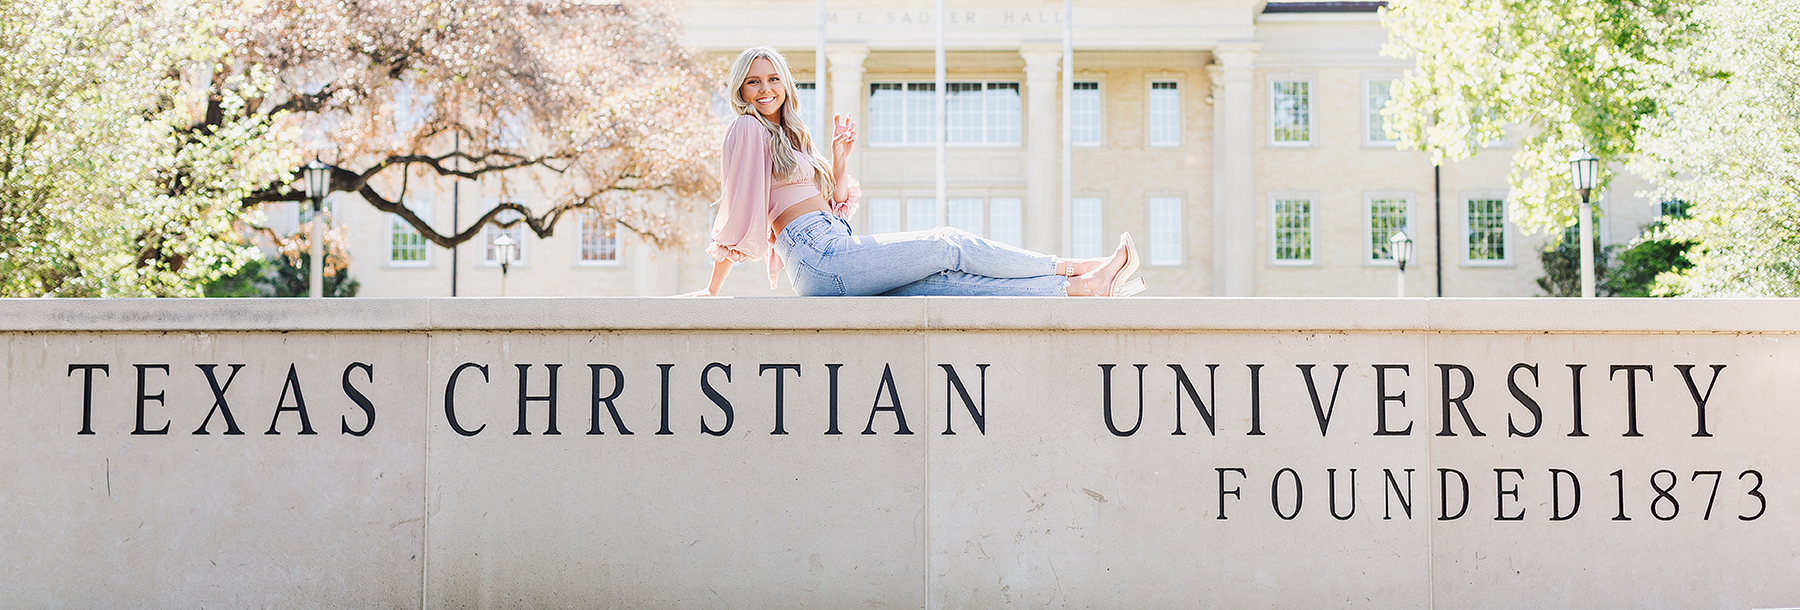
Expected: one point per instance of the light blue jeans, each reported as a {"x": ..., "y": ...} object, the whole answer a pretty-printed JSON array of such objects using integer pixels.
[{"x": 823, "y": 258}]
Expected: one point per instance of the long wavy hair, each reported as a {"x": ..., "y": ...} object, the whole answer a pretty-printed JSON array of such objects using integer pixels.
[{"x": 791, "y": 134}]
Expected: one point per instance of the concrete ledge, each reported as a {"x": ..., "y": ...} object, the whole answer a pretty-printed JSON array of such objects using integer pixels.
[{"x": 1511, "y": 316}]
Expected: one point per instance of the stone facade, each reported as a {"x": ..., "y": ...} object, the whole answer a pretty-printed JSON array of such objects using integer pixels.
[{"x": 895, "y": 452}]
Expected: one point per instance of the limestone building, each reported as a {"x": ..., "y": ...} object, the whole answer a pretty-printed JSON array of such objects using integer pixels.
[{"x": 1241, "y": 142}]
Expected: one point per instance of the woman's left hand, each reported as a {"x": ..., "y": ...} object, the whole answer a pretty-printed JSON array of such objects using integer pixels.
[{"x": 843, "y": 136}]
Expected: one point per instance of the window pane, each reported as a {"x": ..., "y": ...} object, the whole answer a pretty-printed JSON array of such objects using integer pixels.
[
  {"x": 1003, "y": 113},
  {"x": 808, "y": 96},
  {"x": 921, "y": 213},
  {"x": 884, "y": 215},
  {"x": 599, "y": 239},
  {"x": 1165, "y": 114},
  {"x": 1386, "y": 217},
  {"x": 1004, "y": 222},
  {"x": 1487, "y": 229},
  {"x": 411, "y": 107},
  {"x": 1086, "y": 218},
  {"x": 964, "y": 105},
  {"x": 965, "y": 214},
  {"x": 1673, "y": 207},
  {"x": 1293, "y": 229},
  {"x": 1085, "y": 105},
  {"x": 921, "y": 113},
  {"x": 408, "y": 246},
  {"x": 1293, "y": 111},
  {"x": 1165, "y": 230},
  {"x": 1379, "y": 92},
  {"x": 887, "y": 114}
]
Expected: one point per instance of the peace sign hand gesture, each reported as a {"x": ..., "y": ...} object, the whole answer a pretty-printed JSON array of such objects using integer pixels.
[{"x": 843, "y": 136}]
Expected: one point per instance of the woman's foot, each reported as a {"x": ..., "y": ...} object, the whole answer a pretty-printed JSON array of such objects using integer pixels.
[
  {"x": 1110, "y": 277},
  {"x": 1079, "y": 266}
]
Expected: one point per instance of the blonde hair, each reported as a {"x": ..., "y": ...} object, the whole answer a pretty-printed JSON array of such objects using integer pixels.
[{"x": 791, "y": 133}]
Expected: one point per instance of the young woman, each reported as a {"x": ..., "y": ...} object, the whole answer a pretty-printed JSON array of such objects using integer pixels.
[{"x": 774, "y": 204}]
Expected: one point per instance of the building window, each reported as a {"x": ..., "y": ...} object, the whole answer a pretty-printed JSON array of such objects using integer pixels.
[
  {"x": 965, "y": 214},
  {"x": 1379, "y": 92},
  {"x": 599, "y": 240},
  {"x": 979, "y": 114},
  {"x": 721, "y": 109},
  {"x": 1165, "y": 113},
  {"x": 811, "y": 110},
  {"x": 1165, "y": 230},
  {"x": 967, "y": 112},
  {"x": 1084, "y": 106},
  {"x": 1005, "y": 224},
  {"x": 1673, "y": 208},
  {"x": 884, "y": 215},
  {"x": 1291, "y": 113},
  {"x": 411, "y": 107},
  {"x": 921, "y": 113},
  {"x": 1086, "y": 218},
  {"x": 510, "y": 129},
  {"x": 1293, "y": 231},
  {"x": 1487, "y": 231},
  {"x": 406, "y": 246},
  {"x": 491, "y": 232},
  {"x": 887, "y": 114},
  {"x": 921, "y": 214},
  {"x": 303, "y": 212},
  {"x": 1003, "y": 114},
  {"x": 1387, "y": 216}
]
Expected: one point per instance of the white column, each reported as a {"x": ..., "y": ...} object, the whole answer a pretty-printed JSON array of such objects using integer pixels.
[
  {"x": 1235, "y": 167},
  {"x": 1221, "y": 230},
  {"x": 1043, "y": 146},
  {"x": 847, "y": 93}
]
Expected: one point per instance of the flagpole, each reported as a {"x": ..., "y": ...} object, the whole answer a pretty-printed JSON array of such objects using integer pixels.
[
  {"x": 943, "y": 202},
  {"x": 1068, "y": 119}
]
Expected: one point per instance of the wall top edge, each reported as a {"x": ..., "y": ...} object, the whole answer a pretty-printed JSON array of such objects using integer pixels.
[{"x": 1352, "y": 315}]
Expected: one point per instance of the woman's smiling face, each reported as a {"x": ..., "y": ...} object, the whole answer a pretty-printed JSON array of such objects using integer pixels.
[{"x": 764, "y": 90}]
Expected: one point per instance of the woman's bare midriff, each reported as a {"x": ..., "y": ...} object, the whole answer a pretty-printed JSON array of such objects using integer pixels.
[{"x": 816, "y": 203}]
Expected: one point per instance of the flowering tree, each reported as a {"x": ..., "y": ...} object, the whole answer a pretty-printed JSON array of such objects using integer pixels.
[
  {"x": 108, "y": 187},
  {"x": 596, "y": 103},
  {"x": 138, "y": 137}
]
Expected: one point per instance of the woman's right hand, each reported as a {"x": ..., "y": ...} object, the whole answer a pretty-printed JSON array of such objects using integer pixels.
[{"x": 843, "y": 136}]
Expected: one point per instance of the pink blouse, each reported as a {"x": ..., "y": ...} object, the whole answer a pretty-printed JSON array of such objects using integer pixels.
[{"x": 751, "y": 196}]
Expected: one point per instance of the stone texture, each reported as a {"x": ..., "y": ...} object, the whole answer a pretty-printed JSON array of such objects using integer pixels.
[{"x": 1039, "y": 503}]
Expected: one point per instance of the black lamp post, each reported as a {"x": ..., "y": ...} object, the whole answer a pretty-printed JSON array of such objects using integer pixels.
[
  {"x": 1584, "y": 167},
  {"x": 1402, "y": 248},
  {"x": 317, "y": 176}
]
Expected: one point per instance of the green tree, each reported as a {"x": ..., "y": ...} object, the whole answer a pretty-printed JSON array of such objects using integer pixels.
[
  {"x": 1562, "y": 268},
  {"x": 106, "y": 186},
  {"x": 1563, "y": 75},
  {"x": 286, "y": 273},
  {"x": 1730, "y": 146},
  {"x": 1643, "y": 269}
]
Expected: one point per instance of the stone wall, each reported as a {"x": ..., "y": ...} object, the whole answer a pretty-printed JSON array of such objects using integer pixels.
[{"x": 897, "y": 452}]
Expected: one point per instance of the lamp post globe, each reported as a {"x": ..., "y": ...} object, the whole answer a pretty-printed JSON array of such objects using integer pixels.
[
  {"x": 504, "y": 246},
  {"x": 1584, "y": 171},
  {"x": 1401, "y": 247},
  {"x": 317, "y": 179}
]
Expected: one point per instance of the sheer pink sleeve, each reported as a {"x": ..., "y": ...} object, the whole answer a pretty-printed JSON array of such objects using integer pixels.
[
  {"x": 740, "y": 231},
  {"x": 846, "y": 208}
]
